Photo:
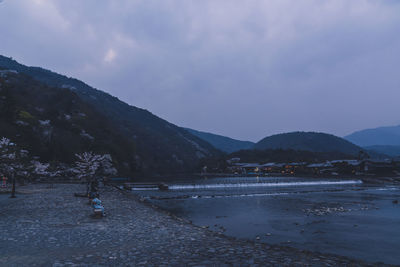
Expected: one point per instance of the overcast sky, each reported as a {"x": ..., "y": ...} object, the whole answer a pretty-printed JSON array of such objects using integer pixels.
[{"x": 245, "y": 69}]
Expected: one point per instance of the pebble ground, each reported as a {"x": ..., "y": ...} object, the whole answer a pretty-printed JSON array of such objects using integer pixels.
[{"x": 47, "y": 226}]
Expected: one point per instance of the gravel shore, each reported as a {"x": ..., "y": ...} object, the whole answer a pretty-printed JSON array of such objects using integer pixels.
[{"x": 48, "y": 226}]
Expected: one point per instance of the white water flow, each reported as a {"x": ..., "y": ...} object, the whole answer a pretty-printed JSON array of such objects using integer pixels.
[{"x": 262, "y": 184}]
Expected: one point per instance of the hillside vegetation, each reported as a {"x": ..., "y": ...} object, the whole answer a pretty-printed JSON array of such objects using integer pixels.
[
  {"x": 54, "y": 124},
  {"x": 308, "y": 141},
  {"x": 159, "y": 146}
]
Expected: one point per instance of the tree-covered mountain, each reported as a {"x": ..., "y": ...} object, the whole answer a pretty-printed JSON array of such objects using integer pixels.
[
  {"x": 159, "y": 146},
  {"x": 54, "y": 123},
  {"x": 308, "y": 141},
  {"x": 382, "y": 136},
  {"x": 222, "y": 143}
]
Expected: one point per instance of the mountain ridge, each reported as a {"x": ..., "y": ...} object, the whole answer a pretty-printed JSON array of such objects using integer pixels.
[
  {"x": 308, "y": 141},
  {"x": 223, "y": 143},
  {"x": 392, "y": 151},
  {"x": 160, "y": 145},
  {"x": 387, "y": 135}
]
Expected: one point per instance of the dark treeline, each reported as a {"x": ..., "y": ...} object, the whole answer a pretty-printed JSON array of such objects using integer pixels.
[{"x": 289, "y": 155}]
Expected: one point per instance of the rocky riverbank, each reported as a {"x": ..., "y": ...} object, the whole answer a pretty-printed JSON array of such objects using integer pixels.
[{"x": 47, "y": 225}]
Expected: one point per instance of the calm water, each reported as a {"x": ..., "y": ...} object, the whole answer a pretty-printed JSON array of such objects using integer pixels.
[{"x": 343, "y": 217}]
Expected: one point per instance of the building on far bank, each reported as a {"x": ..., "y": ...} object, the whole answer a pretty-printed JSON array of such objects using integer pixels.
[{"x": 333, "y": 167}]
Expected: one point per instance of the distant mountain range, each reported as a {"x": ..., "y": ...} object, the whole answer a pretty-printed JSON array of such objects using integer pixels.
[
  {"x": 382, "y": 136},
  {"x": 295, "y": 141},
  {"x": 385, "y": 140},
  {"x": 392, "y": 151},
  {"x": 303, "y": 147},
  {"x": 222, "y": 143},
  {"x": 158, "y": 146},
  {"x": 301, "y": 141}
]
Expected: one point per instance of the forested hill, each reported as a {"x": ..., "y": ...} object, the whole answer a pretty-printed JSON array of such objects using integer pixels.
[
  {"x": 160, "y": 147},
  {"x": 222, "y": 143},
  {"x": 308, "y": 141},
  {"x": 54, "y": 124}
]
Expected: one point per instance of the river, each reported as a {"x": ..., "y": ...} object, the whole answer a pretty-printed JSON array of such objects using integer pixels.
[{"x": 339, "y": 216}]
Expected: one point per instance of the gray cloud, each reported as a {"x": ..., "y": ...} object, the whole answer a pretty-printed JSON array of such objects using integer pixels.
[{"x": 242, "y": 69}]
